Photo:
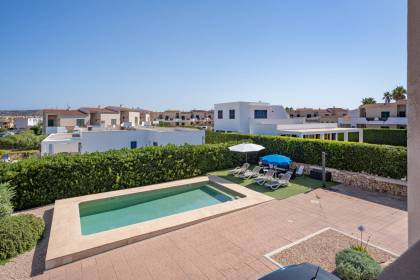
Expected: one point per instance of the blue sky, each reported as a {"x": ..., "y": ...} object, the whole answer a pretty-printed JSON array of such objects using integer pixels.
[{"x": 191, "y": 54}]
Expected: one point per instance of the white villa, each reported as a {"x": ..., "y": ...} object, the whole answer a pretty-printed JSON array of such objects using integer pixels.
[
  {"x": 263, "y": 118},
  {"x": 27, "y": 122},
  {"x": 86, "y": 141}
]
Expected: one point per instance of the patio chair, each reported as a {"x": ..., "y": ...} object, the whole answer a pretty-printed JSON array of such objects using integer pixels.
[
  {"x": 255, "y": 172},
  {"x": 278, "y": 182},
  {"x": 300, "y": 169},
  {"x": 239, "y": 169},
  {"x": 266, "y": 177}
]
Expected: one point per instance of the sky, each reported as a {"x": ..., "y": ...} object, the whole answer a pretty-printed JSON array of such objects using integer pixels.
[{"x": 192, "y": 54}]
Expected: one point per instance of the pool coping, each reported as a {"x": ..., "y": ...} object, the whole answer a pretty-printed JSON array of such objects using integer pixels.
[{"x": 67, "y": 244}]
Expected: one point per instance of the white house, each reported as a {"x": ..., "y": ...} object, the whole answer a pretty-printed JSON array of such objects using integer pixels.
[
  {"x": 266, "y": 119},
  {"x": 238, "y": 116},
  {"x": 27, "y": 122},
  {"x": 104, "y": 140}
]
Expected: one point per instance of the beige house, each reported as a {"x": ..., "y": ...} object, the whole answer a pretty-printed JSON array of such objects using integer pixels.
[
  {"x": 102, "y": 117},
  {"x": 379, "y": 115},
  {"x": 129, "y": 116},
  {"x": 62, "y": 120},
  {"x": 6, "y": 122},
  {"x": 185, "y": 118},
  {"x": 329, "y": 115}
]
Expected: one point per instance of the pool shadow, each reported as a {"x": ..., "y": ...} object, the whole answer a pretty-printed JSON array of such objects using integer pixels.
[{"x": 38, "y": 260}]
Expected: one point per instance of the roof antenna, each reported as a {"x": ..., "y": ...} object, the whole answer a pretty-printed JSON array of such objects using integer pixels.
[{"x": 316, "y": 274}]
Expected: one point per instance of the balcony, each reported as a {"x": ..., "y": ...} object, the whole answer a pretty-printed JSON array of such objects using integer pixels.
[{"x": 373, "y": 121}]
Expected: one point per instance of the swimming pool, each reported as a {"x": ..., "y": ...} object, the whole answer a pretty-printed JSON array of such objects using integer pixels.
[
  {"x": 88, "y": 225},
  {"x": 105, "y": 214}
]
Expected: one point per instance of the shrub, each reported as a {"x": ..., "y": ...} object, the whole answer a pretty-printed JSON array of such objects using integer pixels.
[
  {"x": 381, "y": 160},
  {"x": 42, "y": 181},
  {"x": 355, "y": 265},
  {"x": 6, "y": 195},
  {"x": 18, "y": 234},
  {"x": 396, "y": 137},
  {"x": 25, "y": 141}
]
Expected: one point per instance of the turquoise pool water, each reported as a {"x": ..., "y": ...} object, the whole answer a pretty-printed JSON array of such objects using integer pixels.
[{"x": 115, "y": 212}]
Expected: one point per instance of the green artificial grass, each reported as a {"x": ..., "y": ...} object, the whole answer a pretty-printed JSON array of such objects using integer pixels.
[{"x": 298, "y": 185}]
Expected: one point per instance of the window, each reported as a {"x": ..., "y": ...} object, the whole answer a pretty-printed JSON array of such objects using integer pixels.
[
  {"x": 80, "y": 122},
  {"x": 384, "y": 115},
  {"x": 401, "y": 114},
  {"x": 308, "y": 116},
  {"x": 232, "y": 114},
  {"x": 133, "y": 144},
  {"x": 136, "y": 120},
  {"x": 260, "y": 114},
  {"x": 50, "y": 122},
  {"x": 113, "y": 121},
  {"x": 220, "y": 114},
  {"x": 155, "y": 143}
]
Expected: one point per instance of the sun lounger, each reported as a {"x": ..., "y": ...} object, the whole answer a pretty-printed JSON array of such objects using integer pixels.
[
  {"x": 255, "y": 172},
  {"x": 278, "y": 182},
  {"x": 239, "y": 169},
  {"x": 299, "y": 171},
  {"x": 266, "y": 177}
]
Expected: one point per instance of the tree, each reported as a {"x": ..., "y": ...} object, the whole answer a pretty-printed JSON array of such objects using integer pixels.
[
  {"x": 368, "y": 100},
  {"x": 399, "y": 93},
  {"x": 387, "y": 97},
  {"x": 289, "y": 109}
]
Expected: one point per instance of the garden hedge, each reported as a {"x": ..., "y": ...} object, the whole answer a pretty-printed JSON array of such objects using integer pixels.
[
  {"x": 6, "y": 195},
  {"x": 42, "y": 181},
  {"x": 18, "y": 234},
  {"x": 396, "y": 137},
  {"x": 381, "y": 160}
]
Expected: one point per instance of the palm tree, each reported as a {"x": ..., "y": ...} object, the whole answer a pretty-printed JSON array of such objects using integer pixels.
[
  {"x": 399, "y": 93},
  {"x": 368, "y": 100},
  {"x": 387, "y": 97}
]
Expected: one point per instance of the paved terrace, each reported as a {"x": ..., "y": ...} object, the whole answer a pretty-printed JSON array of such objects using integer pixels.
[{"x": 233, "y": 246}]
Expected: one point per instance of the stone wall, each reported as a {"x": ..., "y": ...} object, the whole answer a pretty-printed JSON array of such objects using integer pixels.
[{"x": 364, "y": 181}]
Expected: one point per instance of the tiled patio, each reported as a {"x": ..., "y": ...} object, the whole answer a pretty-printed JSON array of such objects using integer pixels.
[{"x": 233, "y": 246}]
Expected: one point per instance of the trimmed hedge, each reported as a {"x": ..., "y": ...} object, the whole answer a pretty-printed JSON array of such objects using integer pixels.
[
  {"x": 396, "y": 137},
  {"x": 6, "y": 195},
  {"x": 18, "y": 234},
  {"x": 355, "y": 265},
  {"x": 381, "y": 160},
  {"x": 42, "y": 181}
]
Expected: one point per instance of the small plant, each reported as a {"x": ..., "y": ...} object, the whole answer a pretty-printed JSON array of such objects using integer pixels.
[
  {"x": 6, "y": 195},
  {"x": 361, "y": 247},
  {"x": 356, "y": 265},
  {"x": 19, "y": 233}
]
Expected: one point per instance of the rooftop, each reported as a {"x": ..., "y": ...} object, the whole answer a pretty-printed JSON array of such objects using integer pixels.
[{"x": 66, "y": 112}]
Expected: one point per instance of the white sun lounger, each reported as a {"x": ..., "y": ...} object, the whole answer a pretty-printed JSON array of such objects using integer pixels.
[
  {"x": 239, "y": 169},
  {"x": 277, "y": 183},
  {"x": 255, "y": 172},
  {"x": 266, "y": 177}
]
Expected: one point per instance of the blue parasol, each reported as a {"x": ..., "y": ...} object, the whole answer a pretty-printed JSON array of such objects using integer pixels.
[{"x": 278, "y": 160}]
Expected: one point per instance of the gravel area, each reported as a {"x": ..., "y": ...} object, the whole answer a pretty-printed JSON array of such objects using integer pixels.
[
  {"x": 32, "y": 262},
  {"x": 321, "y": 249}
]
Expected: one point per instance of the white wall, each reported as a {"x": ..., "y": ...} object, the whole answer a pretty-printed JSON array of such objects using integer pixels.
[
  {"x": 24, "y": 123},
  {"x": 244, "y": 115},
  {"x": 117, "y": 139}
]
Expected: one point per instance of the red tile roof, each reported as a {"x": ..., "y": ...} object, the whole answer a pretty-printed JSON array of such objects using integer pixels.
[{"x": 65, "y": 112}]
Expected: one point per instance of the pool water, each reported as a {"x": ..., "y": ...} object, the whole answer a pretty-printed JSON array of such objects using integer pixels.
[{"x": 106, "y": 214}]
